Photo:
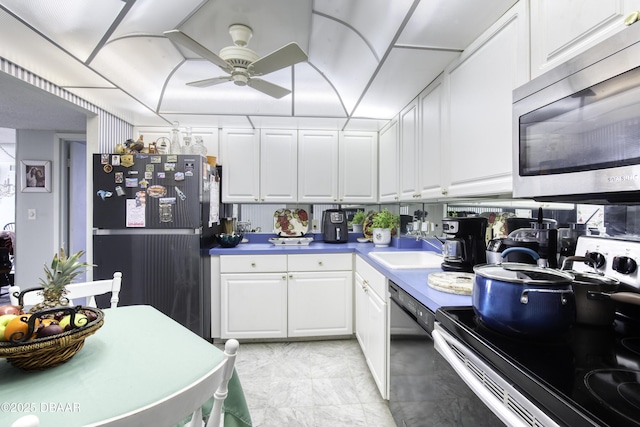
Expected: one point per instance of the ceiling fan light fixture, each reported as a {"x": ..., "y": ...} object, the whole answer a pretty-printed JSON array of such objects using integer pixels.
[
  {"x": 240, "y": 79},
  {"x": 237, "y": 56},
  {"x": 240, "y": 34}
]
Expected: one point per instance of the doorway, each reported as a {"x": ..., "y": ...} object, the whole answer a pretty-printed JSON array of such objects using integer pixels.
[{"x": 73, "y": 204}]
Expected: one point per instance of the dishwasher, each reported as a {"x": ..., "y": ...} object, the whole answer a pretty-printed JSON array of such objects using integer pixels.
[{"x": 424, "y": 390}]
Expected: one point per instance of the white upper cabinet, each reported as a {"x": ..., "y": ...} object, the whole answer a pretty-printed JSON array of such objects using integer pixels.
[
  {"x": 279, "y": 166},
  {"x": 409, "y": 148},
  {"x": 562, "y": 29},
  {"x": 358, "y": 167},
  {"x": 431, "y": 105},
  {"x": 240, "y": 160},
  {"x": 388, "y": 171},
  {"x": 318, "y": 166},
  {"x": 477, "y": 148}
]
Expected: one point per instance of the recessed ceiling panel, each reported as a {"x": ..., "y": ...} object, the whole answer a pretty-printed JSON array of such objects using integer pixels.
[
  {"x": 343, "y": 57},
  {"x": 166, "y": 16},
  {"x": 451, "y": 23},
  {"x": 120, "y": 104},
  {"x": 224, "y": 98},
  {"x": 377, "y": 21},
  {"x": 141, "y": 76},
  {"x": 404, "y": 75},
  {"x": 314, "y": 95},
  {"x": 312, "y": 123},
  {"x": 75, "y": 25},
  {"x": 365, "y": 125},
  {"x": 208, "y": 121},
  {"x": 24, "y": 47}
]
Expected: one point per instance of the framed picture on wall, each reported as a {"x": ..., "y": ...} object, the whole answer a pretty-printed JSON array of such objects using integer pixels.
[{"x": 35, "y": 176}]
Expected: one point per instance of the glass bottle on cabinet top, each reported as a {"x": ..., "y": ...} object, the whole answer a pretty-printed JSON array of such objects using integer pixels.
[
  {"x": 175, "y": 148},
  {"x": 198, "y": 147},
  {"x": 186, "y": 148}
]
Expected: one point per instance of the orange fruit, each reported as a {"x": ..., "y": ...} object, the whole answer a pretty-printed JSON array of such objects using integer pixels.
[{"x": 19, "y": 327}]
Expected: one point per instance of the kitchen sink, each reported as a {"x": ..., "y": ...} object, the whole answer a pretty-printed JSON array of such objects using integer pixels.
[{"x": 408, "y": 259}]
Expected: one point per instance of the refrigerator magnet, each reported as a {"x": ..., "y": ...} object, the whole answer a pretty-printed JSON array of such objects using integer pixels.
[
  {"x": 115, "y": 160},
  {"x": 104, "y": 194},
  {"x": 148, "y": 175},
  {"x": 169, "y": 167},
  {"x": 157, "y": 191},
  {"x": 144, "y": 183},
  {"x": 149, "y": 167},
  {"x": 178, "y": 176},
  {"x": 126, "y": 160},
  {"x": 104, "y": 159},
  {"x": 131, "y": 182},
  {"x": 119, "y": 177},
  {"x": 172, "y": 158},
  {"x": 161, "y": 175},
  {"x": 167, "y": 200},
  {"x": 155, "y": 159},
  {"x": 141, "y": 198},
  {"x": 180, "y": 193},
  {"x": 107, "y": 168},
  {"x": 119, "y": 190}
]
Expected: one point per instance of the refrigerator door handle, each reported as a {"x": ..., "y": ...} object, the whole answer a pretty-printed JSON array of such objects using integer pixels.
[{"x": 146, "y": 231}]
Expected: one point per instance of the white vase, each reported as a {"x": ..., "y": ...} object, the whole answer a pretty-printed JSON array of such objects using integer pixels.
[
  {"x": 357, "y": 228},
  {"x": 381, "y": 237}
]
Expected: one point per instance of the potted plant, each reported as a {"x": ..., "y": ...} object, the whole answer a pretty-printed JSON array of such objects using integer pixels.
[
  {"x": 382, "y": 224},
  {"x": 358, "y": 221}
]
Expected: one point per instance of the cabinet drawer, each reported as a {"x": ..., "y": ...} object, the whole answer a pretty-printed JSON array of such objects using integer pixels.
[
  {"x": 372, "y": 277},
  {"x": 252, "y": 263},
  {"x": 321, "y": 262}
]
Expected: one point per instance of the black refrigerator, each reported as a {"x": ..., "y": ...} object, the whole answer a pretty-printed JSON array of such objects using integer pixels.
[{"x": 151, "y": 221}]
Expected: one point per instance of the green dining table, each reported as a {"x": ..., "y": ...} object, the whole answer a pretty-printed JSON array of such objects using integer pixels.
[{"x": 139, "y": 357}]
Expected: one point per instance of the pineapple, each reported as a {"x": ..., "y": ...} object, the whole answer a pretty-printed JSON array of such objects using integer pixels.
[{"x": 62, "y": 271}]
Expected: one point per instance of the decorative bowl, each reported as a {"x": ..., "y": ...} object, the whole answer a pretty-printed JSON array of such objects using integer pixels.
[{"x": 227, "y": 240}]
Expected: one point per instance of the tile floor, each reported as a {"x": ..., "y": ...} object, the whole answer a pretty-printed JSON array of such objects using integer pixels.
[{"x": 314, "y": 383}]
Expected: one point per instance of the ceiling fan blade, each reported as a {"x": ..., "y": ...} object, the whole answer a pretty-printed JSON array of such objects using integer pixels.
[
  {"x": 284, "y": 57},
  {"x": 181, "y": 38},
  {"x": 210, "y": 82},
  {"x": 270, "y": 89}
]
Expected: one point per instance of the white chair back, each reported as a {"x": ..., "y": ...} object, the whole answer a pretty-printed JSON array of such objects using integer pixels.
[{"x": 81, "y": 293}]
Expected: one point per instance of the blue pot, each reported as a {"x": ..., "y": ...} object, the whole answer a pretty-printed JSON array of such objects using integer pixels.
[{"x": 523, "y": 299}]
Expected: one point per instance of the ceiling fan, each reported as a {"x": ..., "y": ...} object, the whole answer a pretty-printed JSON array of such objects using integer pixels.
[{"x": 242, "y": 63}]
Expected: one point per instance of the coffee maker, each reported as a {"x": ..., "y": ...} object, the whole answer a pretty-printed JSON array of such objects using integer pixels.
[
  {"x": 464, "y": 244},
  {"x": 334, "y": 226}
]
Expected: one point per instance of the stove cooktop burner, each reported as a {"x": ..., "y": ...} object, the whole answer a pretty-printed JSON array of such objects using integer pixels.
[{"x": 618, "y": 390}]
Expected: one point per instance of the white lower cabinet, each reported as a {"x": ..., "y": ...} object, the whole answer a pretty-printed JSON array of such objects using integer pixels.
[
  {"x": 372, "y": 322},
  {"x": 279, "y": 296},
  {"x": 254, "y": 305}
]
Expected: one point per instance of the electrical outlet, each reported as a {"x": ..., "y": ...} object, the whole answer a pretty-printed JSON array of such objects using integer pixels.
[
  {"x": 314, "y": 224},
  {"x": 31, "y": 214}
]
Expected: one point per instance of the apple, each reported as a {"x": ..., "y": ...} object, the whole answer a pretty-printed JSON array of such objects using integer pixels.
[
  {"x": 80, "y": 320},
  {"x": 4, "y": 320},
  {"x": 10, "y": 309},
  {"x": 91, "y": 315},
  {"x": 52, "y": 328}
]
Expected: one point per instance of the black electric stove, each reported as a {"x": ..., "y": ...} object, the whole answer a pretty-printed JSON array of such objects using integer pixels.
[{"x": 590, "y": 376}]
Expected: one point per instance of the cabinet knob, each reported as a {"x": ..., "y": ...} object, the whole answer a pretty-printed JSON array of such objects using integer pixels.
[
  {"x": 262, "y": 199},
  {"x": 395, "y": 198},
  {"x": 444, "y": 191},
  {"x": 320, "y": 263},
  {"x": 284, "y": 277},
  {"x": 291, "y": 276},
  {"x": 255, "y": 199},
  {"x": 335, "y": 200},
  {"x": 253, "y": 264}
]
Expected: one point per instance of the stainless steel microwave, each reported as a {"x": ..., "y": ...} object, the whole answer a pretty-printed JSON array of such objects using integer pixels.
[{"x": 576, "y": 129}]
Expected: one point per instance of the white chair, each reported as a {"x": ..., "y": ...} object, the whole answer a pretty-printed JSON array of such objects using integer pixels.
[
  {"x": 77, "y": 291},
  {"x": 188, "y": 400}
]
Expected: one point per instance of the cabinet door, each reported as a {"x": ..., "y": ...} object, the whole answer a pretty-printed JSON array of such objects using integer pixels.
[
  {"x": 318, "y": 166},
  {"x": 430, "y": 141},
  {"x": 478, "y": 151},
  {"x": 377, "y": 341},
  {"x": 279, "y": 166},
  {"x": 388, "y": 163},
  {"x": 361, "y": 303},
  {"x": 253, "y": 305},
  {"x": 320, "y": 303},
  {"x": 408, "y": 152},
  {"x": 358, "y": 172},
  {"x": 240, "y": 160},
  {"x": 562, "y": 29}
]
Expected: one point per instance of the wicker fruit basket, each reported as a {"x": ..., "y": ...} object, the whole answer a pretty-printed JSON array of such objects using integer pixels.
[{"x": 47, "y": 352}]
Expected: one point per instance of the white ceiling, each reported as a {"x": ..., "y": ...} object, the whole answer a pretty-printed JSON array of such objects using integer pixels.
[{"x": 367, "y": 58}]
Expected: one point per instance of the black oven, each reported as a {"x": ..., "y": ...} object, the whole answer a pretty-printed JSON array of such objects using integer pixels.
[{"x": 424, "y": 390}]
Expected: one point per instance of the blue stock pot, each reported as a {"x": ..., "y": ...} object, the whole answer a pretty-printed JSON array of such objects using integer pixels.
[{"x": 524, "y": 299}]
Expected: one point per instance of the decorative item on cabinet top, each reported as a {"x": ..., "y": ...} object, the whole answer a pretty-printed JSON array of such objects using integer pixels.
[{"x": 290, "y": 225}]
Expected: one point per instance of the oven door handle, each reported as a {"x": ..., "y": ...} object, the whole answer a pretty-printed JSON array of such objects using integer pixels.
[{"x": 489, "y": 399}]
